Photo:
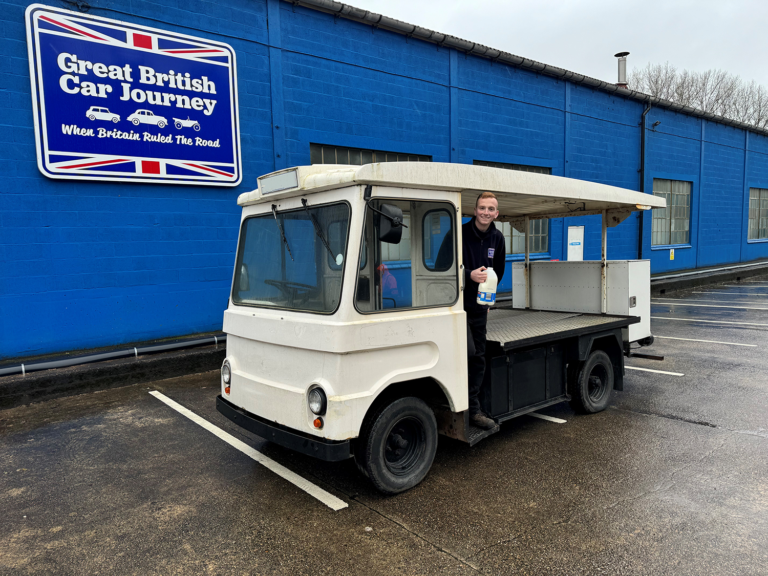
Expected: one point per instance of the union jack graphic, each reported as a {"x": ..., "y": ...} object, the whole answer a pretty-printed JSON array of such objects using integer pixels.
[
  {"x": 47, "y": 22},
  {"x": 120, "y": 36}
]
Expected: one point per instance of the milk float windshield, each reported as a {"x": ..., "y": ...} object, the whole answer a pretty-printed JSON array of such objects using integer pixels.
[{"x": 486, "y": 291}]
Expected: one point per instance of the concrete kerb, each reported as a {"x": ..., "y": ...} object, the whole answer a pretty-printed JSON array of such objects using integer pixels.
[
  {"x": 18, "y": 390},
  {"x": 668, "y": 283}
]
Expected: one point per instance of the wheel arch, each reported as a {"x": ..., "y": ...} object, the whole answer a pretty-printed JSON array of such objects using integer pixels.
[
  {"x": 428, "y": 389},
  {"x": 610, "y": 343}
]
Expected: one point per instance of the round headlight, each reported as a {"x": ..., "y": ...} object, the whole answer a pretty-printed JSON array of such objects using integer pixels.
[
  {"x": 226, "y": 373},
  {"x": 317, "y": 401}
]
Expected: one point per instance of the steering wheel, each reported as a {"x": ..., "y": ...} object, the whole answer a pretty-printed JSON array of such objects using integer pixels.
[{"x": 293, "y": 290}]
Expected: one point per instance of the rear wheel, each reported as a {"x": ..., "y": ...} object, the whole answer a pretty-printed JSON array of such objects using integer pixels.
[
  {"x": 397, "y": 445},
  {"x": 591, "y": 383},
  {"x": 161, "y": 124}
]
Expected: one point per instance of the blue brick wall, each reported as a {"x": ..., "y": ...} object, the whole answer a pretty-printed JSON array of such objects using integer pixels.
[
  {"x": 757, "y": 177},
  {"x": 86, "y": 264},
  {"x": 722, "y": 190}
]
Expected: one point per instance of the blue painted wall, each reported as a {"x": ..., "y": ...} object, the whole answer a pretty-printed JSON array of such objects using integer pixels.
[{"x": 86, "y": 265}]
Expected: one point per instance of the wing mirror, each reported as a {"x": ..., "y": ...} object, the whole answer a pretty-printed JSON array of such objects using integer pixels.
[{"x": 390, "y": 223}]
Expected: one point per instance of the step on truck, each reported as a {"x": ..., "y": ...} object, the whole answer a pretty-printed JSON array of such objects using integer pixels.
[{"x": 346, "y": 334}]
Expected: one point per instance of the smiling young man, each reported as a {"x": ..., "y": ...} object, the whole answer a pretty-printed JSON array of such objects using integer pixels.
[{"x": 483, "y": 248}]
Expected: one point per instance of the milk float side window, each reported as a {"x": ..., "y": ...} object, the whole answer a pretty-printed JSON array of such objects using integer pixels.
[
  {"x": 346, "y": 334},
  {"x": 418, "y": 271}
]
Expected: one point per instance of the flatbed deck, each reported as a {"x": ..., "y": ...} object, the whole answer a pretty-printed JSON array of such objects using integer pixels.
[{"x": 515, "y": 328}]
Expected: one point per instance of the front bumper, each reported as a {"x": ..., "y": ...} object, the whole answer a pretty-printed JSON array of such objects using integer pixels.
[{"x": 328, "y": 450}]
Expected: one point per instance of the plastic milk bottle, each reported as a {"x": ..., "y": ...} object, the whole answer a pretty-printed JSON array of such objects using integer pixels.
[{"x": 486, "y": 291}]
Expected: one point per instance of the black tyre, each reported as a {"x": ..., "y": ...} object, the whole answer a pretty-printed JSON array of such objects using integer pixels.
[
  {"x": 591, "y": 383},
  {"x": 397, "y": 445}
]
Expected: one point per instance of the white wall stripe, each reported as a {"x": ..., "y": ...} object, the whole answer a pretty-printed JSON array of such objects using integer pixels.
[
  {"x": 326, "y": 498},
  {"x": 654, "y": 371},
  {"x": 709, "y": 341},
  {"x": 547, "y": 418},
  {"x": 707, "y": 321}
]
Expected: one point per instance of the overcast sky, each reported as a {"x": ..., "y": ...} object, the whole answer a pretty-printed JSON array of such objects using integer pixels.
[{"x": 583, "y": 35}]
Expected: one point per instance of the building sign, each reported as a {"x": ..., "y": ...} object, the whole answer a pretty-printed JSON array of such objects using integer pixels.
[{"x": 122, "y": 102}]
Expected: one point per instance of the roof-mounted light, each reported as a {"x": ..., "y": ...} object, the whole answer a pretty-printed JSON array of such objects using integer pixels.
[
  {"x": 643, "y": 207},
  {"x": 279, "y": 181}
]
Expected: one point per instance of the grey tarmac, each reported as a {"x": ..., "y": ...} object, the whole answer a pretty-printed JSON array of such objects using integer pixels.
[{"x": 671, "y": 479}]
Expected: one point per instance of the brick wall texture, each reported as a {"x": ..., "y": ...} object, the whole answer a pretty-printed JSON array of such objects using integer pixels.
[{"x": 87, "y": 264}]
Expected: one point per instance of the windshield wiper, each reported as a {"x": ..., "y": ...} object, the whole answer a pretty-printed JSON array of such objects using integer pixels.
[
  {"x": 318, "y": 228},
  {"x": 282, "y": 234}
]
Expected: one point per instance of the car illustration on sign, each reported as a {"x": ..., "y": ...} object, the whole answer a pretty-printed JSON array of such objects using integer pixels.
[
  {"x": 179, "y": 123},
  {"x": 98, "y": 113},
  {"x": 146, "y": 117}
]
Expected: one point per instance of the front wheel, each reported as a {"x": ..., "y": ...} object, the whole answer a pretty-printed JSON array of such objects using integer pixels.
[
  {"x": 397, "y": 445},
  {"x": 591, "y": 384},
  {"x": 91, "y": 117},
  {"x": 135, "y": 121}
]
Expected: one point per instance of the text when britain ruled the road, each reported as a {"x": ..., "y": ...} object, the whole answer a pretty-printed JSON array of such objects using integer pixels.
[
  {"x": 74, "y": 130},
  {"x": 71, "y": 84}
]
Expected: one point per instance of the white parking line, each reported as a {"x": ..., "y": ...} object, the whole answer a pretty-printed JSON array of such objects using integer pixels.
[
  {"x": 547, "y": 418},
  {"x": 707, "y": 321},
  {"x": 709, "y": 341},
  {"x": 326, "y": 498},
  {"x": 655, "y": 371},
  {"x": 732, "y": 293},
  {"x": 707, "y": 305},
  {"x": 683, "y": 300}
]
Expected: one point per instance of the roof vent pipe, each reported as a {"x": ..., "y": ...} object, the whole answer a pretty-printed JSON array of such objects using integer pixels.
[{"x": 622, "y": 56}]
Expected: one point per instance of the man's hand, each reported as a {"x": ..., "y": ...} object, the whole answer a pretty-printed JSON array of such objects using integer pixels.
[{"x": 480, "y": 275}]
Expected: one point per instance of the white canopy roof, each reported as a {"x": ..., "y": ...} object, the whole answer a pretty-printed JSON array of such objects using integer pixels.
[{"x": 519, "y": 193}]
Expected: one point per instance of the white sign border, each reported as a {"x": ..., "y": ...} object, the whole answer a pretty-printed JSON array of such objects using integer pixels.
[{"x": 38, "y": 107}]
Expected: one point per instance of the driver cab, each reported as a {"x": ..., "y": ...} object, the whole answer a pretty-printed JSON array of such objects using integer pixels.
[
  {"x": 417, "y": 270},
  {"x": 295, "y": 258}
]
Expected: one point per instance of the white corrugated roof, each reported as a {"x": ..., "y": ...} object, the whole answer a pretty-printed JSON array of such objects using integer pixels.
[{"x": 519, "y": 193}]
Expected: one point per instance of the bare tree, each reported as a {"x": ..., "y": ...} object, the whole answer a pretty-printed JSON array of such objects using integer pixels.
[{"x": 715, "y": 91}]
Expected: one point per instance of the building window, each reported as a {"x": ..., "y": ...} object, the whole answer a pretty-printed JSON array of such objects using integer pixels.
[
  {"x": 322, "y": 154},
  {"x": 758, "y": 214},
  {"x": 671, "y": 225},
  {"x": 539, "y": 229},
  {"x": 515, "y": 241}
]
